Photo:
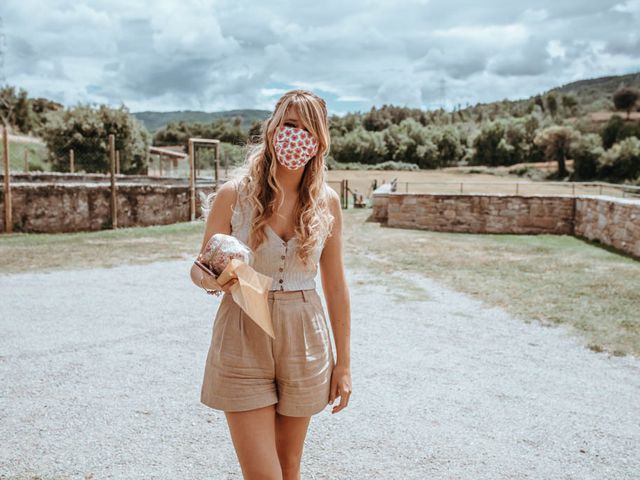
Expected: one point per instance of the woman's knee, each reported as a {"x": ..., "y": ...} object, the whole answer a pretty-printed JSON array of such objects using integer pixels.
[{"x": 289, "y": 463}]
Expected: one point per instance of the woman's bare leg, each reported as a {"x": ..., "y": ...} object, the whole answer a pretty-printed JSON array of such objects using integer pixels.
[
  {"x": 290, "y": 435},
  {"x": 253, "y": 437}
]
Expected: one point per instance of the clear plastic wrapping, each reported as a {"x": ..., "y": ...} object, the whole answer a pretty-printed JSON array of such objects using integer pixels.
[{"x": 221, "y": 249}]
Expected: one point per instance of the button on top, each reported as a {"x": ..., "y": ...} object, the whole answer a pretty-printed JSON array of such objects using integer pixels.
[{"x": 281, "y": 280}]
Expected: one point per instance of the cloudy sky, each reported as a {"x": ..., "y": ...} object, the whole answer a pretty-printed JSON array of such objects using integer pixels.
[{"x": 225, "y": 54}]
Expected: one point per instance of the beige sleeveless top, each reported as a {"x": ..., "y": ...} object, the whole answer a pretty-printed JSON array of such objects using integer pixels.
[{"x": 274, "y": 257}]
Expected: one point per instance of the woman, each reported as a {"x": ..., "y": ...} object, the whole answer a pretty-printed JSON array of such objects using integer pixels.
[{"x": 285, "y": 212}]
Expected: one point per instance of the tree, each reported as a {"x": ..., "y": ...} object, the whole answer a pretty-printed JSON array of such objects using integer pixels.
[
  {"x": 359, "y": 145},
  {"x": 85, "y": 129},
  {"x": 556, "y": 142},
  {"x": 450, "y": 148},
  {"x": 255, "y": 131},
  {"x": 586, "y": 152},
  {"x": 25, "y": 114},
  {"x": 7, "y": 105},
  {"x": 622, "y": 161},
  {"x": 570, "y": 103},
  {"x": 616, "y": 129},
  {"x": 625, "y": 99},
  {"x": 223, "y": 129},
  {"x": 552, "y": 104}
]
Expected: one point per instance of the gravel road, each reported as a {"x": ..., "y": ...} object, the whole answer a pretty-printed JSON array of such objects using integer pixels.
[{"x": 101, "y": 372}]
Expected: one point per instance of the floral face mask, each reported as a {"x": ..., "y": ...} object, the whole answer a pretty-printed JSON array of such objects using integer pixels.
[{"x": 294, "y": 147}]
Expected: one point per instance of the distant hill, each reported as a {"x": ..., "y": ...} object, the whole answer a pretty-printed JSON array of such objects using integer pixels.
[
  {"x": 154, "y": 121},
  {"x": 592, "y": 95},
  {"x": 597, "y": 93}
]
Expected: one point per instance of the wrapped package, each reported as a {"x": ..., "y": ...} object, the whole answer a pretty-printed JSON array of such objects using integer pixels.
[
  {"x": 221, "y": 249},
  {"x": 228, "y": 258}
]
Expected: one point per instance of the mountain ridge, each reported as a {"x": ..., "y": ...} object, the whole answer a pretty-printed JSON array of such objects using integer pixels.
[{"x": 154, "y": 120}]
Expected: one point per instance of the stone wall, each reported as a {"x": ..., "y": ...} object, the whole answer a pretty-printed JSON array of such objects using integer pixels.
[
  {"x": 381, "y": 202},
  {"x": 609, "y": 220},
  {"x": 482, "y": 213},
  {"x": 54, "y": 208}
]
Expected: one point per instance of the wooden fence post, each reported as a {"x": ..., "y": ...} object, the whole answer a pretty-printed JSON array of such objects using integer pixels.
[
  {"x": 118, "y": 162},
  {"x": 72, "y": 161},
  {"x": 196, "y": 162},
  {"x": 26, "y": 160},
  {"x": 217, "y": 164},
  {"x": 112, "y": 158},
  {"x": 346, "y": 193},
  {"x": 8, "y": 221},
  {"x": 192, "y": 183}
]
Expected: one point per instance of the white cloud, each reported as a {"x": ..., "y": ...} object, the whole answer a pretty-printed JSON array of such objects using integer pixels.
[
  {"x": 630, "y": 6},
  {"x": 223, "y": 54}
]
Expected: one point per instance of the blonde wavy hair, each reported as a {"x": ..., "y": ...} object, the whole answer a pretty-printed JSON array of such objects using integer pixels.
[{"x": 313, "y": 219}]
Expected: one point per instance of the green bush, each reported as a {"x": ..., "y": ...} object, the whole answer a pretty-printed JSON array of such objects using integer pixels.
[
  {"x": 556, "y": 142},
  {"x": 621, "y": 161},
  {"x": 617, "y": 129},
  {"x": 586, "y": 152},
  {"x": 360, "y": 146},
  {"x": 332, "y": 164},
  {"x": 507, "y": 142},
  {"x": 86, "y": 130},
  {"x": 225, "y": 130}
]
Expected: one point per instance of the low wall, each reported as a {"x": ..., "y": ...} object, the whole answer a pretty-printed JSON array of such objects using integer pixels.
[
  {"x": 609, "y": 220},
  {"x": 380, "y": 202},
  {"x": 55, "y": 208},
  {"x": 482, "y": 213}
]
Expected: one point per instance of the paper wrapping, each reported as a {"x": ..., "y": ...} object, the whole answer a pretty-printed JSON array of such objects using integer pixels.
[
  {"x": 251, "y": 293},
  {"x": 229, "y": 258}
]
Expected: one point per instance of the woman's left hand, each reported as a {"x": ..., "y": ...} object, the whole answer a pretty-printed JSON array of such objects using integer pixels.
[{"x": 340, "y": 387}]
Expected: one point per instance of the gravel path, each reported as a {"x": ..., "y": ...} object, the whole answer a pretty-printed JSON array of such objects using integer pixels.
[{"x": 101, "y": 373}]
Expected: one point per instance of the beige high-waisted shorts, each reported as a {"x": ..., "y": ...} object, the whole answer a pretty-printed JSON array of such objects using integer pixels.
[{"x": 247, "y": 369}]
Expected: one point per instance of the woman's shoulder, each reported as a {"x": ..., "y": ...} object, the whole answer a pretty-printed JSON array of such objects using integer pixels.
[
  {"x": 332, "y": 197},
  {"x": 233, "y": 187}
]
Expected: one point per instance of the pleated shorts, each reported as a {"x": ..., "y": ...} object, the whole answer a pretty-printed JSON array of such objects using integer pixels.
[{"x": 247, "y": 369}]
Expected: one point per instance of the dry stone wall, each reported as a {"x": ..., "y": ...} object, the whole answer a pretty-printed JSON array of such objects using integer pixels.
[
  {"x": 55, "y": 208},
  {"x": 609, "y": 220}
]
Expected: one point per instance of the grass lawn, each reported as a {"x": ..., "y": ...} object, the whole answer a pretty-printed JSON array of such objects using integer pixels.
[{"x": 549, "y": 278}]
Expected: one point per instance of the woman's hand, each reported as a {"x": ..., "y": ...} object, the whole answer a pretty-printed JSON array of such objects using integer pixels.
[
  {"x": 209, "y": 281},
  {"x": 340, "y": 387}
]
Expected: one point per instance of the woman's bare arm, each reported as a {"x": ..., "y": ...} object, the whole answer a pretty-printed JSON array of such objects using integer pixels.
[
  {"x": 218, "y": 221},
  {"x": 334, "y": 285}
]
